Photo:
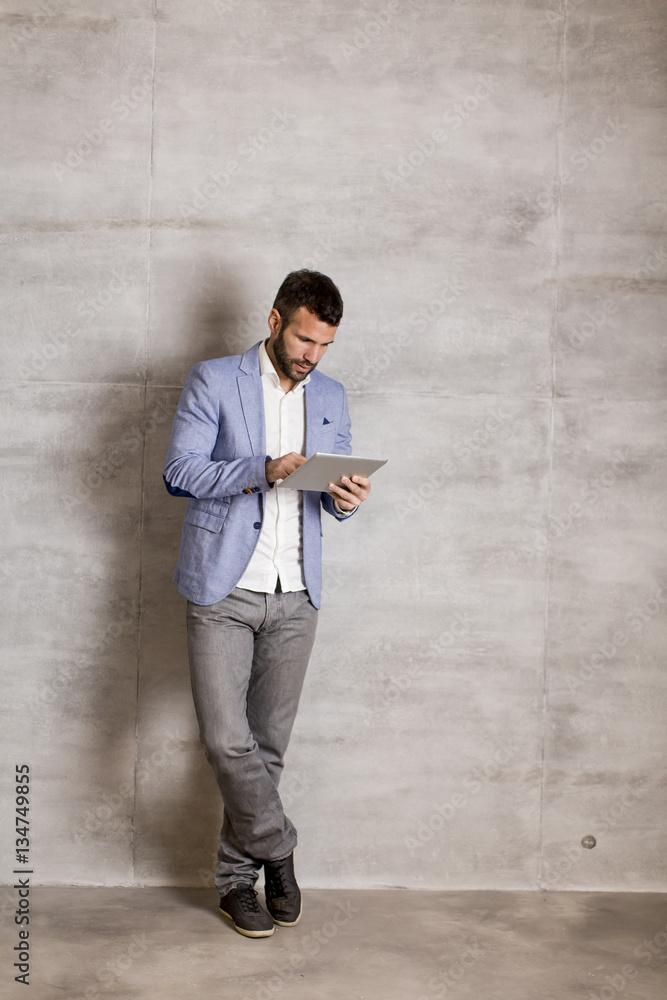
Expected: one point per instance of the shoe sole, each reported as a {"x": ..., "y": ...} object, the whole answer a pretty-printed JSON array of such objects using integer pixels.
[
  {"x": 285, "y": 923},
  {"x": 242, "y": 930}
]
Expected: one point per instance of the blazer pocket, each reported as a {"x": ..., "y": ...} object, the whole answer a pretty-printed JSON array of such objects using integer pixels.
[
  {"x": 327, "y": 438},
  {"x": 210, "y": 516}
]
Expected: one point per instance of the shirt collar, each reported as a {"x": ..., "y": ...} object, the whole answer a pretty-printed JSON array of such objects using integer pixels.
[{"x": 267, "y": 367}]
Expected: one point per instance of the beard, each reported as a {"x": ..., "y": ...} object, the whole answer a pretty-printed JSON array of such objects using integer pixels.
[{"x": 286, "y": 363}]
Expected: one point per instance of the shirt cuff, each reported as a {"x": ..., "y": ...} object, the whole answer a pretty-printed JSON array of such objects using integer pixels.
[{"x": 341, "y": 512}]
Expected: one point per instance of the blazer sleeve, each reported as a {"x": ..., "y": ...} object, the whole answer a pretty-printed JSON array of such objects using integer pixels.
[
  {"x": 189, "y": 469},
  {"x": 343, "y": 446}
]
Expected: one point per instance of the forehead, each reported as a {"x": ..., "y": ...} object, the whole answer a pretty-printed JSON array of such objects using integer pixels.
[{"x": 308, "y": 325}]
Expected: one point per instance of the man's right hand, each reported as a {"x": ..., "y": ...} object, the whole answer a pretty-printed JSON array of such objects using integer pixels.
[{"x": 280, "y": 468}]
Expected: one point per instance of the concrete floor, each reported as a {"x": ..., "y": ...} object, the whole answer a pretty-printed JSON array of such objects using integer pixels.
[{"x": 131, "y": 943}]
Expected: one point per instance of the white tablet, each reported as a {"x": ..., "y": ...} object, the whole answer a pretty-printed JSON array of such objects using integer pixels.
[{"x": 319, "y": 470}]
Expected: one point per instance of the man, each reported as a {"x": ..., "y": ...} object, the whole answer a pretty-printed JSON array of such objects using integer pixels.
[{"x": 250, "y": 567}]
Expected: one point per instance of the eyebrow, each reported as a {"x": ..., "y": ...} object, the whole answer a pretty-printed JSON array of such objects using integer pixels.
[{"x": 310, "y": 340}]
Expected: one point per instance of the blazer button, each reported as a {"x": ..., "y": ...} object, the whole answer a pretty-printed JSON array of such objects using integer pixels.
[{"x": 257, "y": 524}]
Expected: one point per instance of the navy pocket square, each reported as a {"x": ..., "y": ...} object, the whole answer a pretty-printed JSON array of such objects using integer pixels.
[{"x": 325, "y": 421}]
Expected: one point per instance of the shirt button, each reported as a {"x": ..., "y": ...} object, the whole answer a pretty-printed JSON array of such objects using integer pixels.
[{"x": 257, "y": 524}]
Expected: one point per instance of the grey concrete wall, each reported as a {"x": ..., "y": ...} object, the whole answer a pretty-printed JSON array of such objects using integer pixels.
[{"x": 486, "y": 184}]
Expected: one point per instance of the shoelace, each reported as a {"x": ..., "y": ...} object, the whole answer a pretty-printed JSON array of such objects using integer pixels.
[
  {"x": 247, "y": 898},
  {"x": 275, "y": 880}
]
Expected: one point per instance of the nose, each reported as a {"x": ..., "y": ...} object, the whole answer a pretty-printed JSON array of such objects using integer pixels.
[{"x": 313, "y": 354}]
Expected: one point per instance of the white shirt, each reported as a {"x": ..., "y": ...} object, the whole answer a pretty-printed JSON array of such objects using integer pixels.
[{"x": 279, "y": 551}]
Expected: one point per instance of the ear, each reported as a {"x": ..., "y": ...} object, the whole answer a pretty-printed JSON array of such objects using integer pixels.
[{"x": 274, "y": 322}]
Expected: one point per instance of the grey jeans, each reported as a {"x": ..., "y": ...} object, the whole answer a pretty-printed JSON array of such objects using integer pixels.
[{"x": 248, "y": 657}]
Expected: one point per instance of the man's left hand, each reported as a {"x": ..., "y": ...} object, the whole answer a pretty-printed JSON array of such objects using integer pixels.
[{"x": 353, "y": 492}]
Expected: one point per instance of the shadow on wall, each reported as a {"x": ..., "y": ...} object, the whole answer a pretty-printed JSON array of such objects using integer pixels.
[
  {"x": 178, "y": 805},
  {"x": 121, "y": 530},
  {"x": 222, "y": 315}
]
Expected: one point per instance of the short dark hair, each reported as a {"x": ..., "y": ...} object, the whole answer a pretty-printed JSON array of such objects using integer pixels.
[{"x": 313, "y": 290}]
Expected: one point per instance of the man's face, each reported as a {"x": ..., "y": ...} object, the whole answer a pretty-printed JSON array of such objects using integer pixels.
[{"x": 297, "y": 348}]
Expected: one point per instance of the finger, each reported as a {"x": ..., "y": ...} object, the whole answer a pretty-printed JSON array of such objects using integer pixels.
[
  {"x": 363, "y": 482},
  {"x": 351, "y": 486},
  {"x": 344, "y": 504},
  {"x": 294, "y": 461},
  {"x": 344, "y": 497},
  {"x": 358, "y": 491}
]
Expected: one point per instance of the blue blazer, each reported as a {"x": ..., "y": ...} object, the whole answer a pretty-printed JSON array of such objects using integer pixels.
[{"x": 216, "y": 457}]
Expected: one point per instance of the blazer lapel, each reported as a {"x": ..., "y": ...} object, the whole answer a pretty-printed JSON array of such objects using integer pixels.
[
  {"x": 314, "y": 416},
  {"x": 252, "y": 400}
]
